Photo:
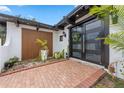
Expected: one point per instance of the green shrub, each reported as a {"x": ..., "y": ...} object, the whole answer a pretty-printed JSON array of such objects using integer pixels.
[
  {"x": 10, "y": 63},
  {"x": 58, "y": 55},
  {"x": 14, "y": 59},
  {"x": 62, "y": 54}
]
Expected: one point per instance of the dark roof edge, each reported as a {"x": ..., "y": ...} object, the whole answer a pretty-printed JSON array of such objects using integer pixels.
[{"x": 25, "y": 21}]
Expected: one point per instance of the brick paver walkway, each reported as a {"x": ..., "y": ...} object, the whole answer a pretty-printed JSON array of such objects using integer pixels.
[{"x": 58, "y": 75}]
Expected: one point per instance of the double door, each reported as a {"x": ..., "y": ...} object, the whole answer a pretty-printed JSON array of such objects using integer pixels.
[{"x": 83, "y": 41}]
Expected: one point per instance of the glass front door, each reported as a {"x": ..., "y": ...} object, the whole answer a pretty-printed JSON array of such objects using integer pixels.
[
  {"x": 76, "y": 41},
  {"x": 83, "y": 41},
  {"x": 93, "y": 46}
]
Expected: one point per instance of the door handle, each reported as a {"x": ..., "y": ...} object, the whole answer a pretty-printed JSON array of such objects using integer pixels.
[{"x": 83, "y": 43}]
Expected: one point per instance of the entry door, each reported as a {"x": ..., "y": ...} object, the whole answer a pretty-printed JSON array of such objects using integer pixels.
[
  {"x": 93, "y": 47},
  {"x": 83, "y": 41},
  {"x": 76, "y": 42}
]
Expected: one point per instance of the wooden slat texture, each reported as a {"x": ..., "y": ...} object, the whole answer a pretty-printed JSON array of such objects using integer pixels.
[{"x": 30, "y": 49}]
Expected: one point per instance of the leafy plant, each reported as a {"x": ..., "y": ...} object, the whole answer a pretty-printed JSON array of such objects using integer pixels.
[
  {"x": 58, "y": 55},
  {"x": 75, "y": 37},
  {"x": 10, "y": 63},
  {"x": 14, "y": 59},
  {"x": 62, "y": 53},
  {"x": 42, "y": 43},
  {"x": 104, "y": 10},
  {"x": 115, "y": 40}
]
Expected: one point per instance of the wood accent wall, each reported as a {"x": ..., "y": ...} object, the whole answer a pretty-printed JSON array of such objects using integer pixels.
[{"x": 30, "y": 49}]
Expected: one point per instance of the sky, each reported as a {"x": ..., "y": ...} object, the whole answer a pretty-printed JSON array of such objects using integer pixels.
[{"x": 48, "y": 14}]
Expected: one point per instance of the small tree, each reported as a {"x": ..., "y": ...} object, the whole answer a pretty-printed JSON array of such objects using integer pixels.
[{"x": 42, "y": 43}]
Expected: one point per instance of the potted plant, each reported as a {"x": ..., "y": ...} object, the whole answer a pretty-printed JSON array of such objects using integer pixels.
[
  {"x": 43, "y": 54},
  {"x": 114, "y": 15},
  {"x": 114, "y": 19}
]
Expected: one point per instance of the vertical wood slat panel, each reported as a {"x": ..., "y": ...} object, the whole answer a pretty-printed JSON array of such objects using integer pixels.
[{"x": 30, "y": 49}]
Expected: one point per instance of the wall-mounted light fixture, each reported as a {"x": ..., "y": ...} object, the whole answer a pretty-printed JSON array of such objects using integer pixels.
[
  {"x": 64, "y": 34},
  {"x": 61, "y": 38}
]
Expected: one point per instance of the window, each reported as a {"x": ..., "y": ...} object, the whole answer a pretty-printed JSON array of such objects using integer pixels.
[
  {"x": 61, "y": 38},
  {"x": 93, "y": 25},
  {"x": 76, "y": 54},
  {"x": 76, "y": 46},
  {"x": 2, "y": 33}
]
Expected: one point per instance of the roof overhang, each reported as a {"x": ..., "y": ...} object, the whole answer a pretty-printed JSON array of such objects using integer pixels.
[
  {"x": 17, "y": 20},
  {"x": 74, "y": 15}
]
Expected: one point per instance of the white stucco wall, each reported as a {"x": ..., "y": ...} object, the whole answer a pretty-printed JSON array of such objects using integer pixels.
[
  {"x": 3, "y": 56},
  {"x": 60, "y": 45},
  {"x": 4, "y": 50},
  {"x": 15, "y": 44}
]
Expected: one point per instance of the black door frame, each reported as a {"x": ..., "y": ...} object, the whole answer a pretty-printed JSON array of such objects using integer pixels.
[{"x": 105, "y": 48}]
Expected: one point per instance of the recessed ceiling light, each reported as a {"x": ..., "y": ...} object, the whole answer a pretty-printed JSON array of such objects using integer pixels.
[{"x": 77, "y": 15}]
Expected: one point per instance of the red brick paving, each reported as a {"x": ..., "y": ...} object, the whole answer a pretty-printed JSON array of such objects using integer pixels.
[
  {"x": 27, "y": 68},
  {"x": 66, "y": 74}
]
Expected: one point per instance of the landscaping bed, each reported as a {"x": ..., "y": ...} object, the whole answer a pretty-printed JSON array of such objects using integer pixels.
[
  {"x": 109, "y": 82},
  {"x": 28, "y": 64}
]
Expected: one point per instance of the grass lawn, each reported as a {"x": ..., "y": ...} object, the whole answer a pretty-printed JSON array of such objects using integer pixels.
[{"x": 109, "y": 82}]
